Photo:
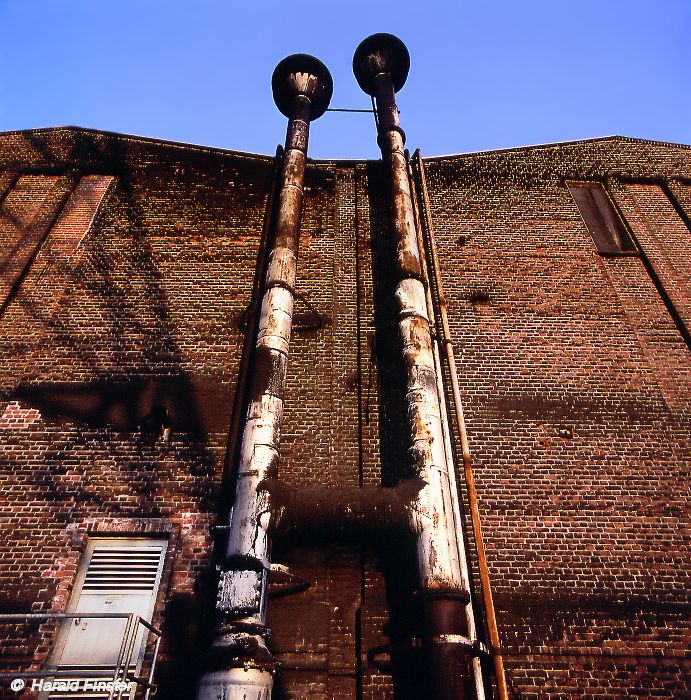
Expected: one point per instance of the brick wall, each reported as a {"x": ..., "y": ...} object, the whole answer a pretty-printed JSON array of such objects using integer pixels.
[
  {"x": 29, "y": 208},
  {"x": 573, "y": 370},
  {"x": 576, "y": 384},
  {"x": 132, "y": 301}
]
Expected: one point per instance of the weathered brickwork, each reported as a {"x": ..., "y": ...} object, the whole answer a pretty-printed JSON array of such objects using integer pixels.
[
  {"x": 29, "y": 208},
  {"x": 680, "y": 190},
  {"x": 128, "y": 305},
  {"x": 128, "y": 268},
  {"x": 576, "y": 386},
  {"x": 663, "y": 236}
]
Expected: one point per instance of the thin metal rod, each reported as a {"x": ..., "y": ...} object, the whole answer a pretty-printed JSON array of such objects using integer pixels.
[
  {"x": 58, "y": 673},
  {"x": 130, "y": 650},
  {"x": 123, "y": 644},
  {"x": 342, "y": 109},
  {"x": 18, "y": 617},
  {"x": 497, "y": 659},
  {"x": 151, "y": 669}
]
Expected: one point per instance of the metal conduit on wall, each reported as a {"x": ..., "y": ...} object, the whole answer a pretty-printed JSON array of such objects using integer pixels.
[
  {"x": 240, "y": 664},
  {"x": 381, "y": 64},
  {"x": 445, "y": 341}
]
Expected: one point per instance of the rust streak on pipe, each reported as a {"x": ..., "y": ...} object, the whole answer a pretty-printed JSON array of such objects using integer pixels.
[
  {"x": 497, "y": 659},
  {"x": 381, "y": 65},
  {"x": 469, "y": 613},
  {"x": 225, "y": 491}
]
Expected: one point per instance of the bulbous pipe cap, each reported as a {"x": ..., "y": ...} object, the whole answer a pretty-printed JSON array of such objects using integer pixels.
[
  {"x": 381, "y": 53},
  {"x": 301, "y": 74}
]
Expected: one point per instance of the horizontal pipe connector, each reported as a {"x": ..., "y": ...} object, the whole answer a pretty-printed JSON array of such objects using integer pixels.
[{"x": 322, "y": 512}]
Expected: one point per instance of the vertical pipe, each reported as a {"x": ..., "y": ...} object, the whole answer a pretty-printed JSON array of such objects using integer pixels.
[
  {"x": 497, "y": 660},
  {"x": 240, "y": 665},
  {"x": 239, "y": 400},
  {"x": 469, "y": 613},
  {"x": 381, "y": 65}
]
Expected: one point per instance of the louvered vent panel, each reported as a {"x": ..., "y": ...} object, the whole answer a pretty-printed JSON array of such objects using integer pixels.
[{"x": 123, "y": 569}]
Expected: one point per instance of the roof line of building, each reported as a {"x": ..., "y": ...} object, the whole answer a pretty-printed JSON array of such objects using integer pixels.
[
  {"x": 338, "y": 161},
  {"x": 572, "y": 142},
  {"x": 146, "y": 139}
]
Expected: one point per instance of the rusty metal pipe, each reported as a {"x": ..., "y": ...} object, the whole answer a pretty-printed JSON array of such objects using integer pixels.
[
  {"x": 381, "y": 65},
  {"x": 497, "y": 660},
  {"x": 240, "y": 664},
  {"x": 346, "y": 513},
  {"x": 476, "y": 667},
  {"x": 225, "y": 500}
]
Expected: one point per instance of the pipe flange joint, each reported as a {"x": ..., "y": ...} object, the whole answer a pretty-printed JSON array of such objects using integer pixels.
[
  {"x": 221, "y": 660},
  {"x": 474, "y": 647},
  {"x": 429, "y": 594},
  {"x": 271, "y": 284},
  {"x": 241, "y": 562},
  {"x": 246, "y": 628},
  {"x": 380, "y": 134},
  {"x": 272, "y": 667}
]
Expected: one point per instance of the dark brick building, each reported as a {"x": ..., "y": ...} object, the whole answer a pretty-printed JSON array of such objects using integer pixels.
[{"x": 129, "y": 267}]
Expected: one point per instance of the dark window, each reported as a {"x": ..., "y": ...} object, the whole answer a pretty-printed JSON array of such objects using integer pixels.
[{"x": 604, "y": 223}]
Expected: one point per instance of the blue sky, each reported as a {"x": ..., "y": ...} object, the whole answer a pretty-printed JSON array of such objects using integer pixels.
[{"x": 484, "y": 74}]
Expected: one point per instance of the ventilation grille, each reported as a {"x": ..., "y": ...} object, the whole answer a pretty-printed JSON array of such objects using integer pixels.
[{"x": 133, "y": 569}]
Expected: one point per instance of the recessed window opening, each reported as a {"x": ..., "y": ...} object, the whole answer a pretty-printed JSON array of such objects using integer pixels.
[{"x": 601, "y": 218}]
